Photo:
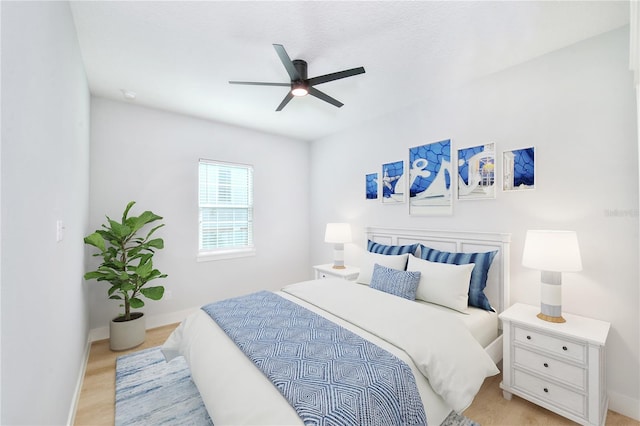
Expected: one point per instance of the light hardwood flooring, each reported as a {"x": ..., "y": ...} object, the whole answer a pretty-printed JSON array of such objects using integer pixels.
[{"x": 97, "y": 398}]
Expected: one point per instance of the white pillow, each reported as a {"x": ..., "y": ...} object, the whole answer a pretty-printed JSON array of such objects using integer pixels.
[
  {"x": 442, "y": 283},
  {"x": 398, "y": 261}
]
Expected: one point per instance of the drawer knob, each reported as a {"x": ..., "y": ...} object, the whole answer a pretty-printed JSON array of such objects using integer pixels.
[
  {"x": 528, "y": 337},
  {"x": 564, "y": 348},
  {"x": 546, "y": 365},
  {"x": 546, "y": 390}
]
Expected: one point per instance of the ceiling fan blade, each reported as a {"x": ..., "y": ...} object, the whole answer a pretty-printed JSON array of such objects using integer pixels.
[
  {"x": 335, "y": 76},
  {"x": 321, "y": 95},
  {"x": 285, "y": 101},
  {"x": 257, "y": 83},
  {"x": 287, "y": 62}
]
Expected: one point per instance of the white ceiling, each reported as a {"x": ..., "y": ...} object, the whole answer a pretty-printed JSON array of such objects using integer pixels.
[{"x": 179, "y": 56}]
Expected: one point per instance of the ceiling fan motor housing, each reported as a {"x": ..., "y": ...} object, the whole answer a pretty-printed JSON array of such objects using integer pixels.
[{"x": 301, "y": 67}]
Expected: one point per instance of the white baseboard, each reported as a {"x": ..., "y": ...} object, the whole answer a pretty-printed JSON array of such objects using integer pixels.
[
  {"x": 76, "y": 394},
  {"x": 152, "y": 321},
  {"x": 624, "y": 405}
]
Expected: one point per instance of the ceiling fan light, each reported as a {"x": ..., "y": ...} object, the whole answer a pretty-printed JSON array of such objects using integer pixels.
[{"x": 299, "y": 90}]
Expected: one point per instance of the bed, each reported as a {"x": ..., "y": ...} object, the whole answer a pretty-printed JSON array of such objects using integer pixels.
[{"x": 447, "y": 362}]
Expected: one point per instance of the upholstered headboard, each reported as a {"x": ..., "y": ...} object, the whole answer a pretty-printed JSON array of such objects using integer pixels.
[{"x": 497, "y": 290}]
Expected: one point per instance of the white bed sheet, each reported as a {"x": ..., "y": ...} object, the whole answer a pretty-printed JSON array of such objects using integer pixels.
[
  {"x": 232, "y": 391},
  {"x": 482, "y": 324}
]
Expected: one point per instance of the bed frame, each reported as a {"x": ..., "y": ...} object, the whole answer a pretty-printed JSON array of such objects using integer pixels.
[{"x": 498, "y": 284}]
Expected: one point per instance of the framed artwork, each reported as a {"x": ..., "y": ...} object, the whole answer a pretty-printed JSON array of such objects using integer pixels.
[
  {"x": 430, "y": 186},
  {"x": 393, "y": 183},
  {"x": 371, "y": 189},
  {"x": 476, "y": 172},
  {"x": 518, "y": 169}
]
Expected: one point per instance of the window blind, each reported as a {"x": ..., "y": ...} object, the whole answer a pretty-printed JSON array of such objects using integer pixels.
[{"x": 225, "y": 198}]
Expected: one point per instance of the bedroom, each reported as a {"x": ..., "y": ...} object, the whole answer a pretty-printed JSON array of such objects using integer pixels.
[{"x": 576, "y": 105}]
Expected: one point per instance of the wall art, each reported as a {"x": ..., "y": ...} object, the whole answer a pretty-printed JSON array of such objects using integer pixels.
[
  {"x": 518, "y": 169},
  {"x": 371, "y": 189},
  {"x": 476, "y": 172},
  {"x": 430, "y": 186},
  {"x": 393, "y": 183}
]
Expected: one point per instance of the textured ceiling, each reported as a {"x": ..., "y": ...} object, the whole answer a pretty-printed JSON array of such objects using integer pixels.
[{"x": 179, "y": 56}]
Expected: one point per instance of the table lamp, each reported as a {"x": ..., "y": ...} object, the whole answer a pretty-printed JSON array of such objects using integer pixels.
[
  {"x": 552, "y": 252},
  {"x": 338, "y": 234}
]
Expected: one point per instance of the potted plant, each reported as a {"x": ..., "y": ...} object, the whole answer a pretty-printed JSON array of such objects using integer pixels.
[{"x": 127, "y": 265}]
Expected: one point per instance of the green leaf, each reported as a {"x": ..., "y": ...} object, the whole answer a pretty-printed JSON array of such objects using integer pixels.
[
  {"x": 93, "y": 275},
  {"x": 153, "y": 230},
  {"x": 156, "y": 243},
  {"x": 127, "y": 286},
  {"x": 136, "y": 303},
  {"x": 95, "y": 240},
  {"x": 137, "y": 222},
  {"x": 120, "y": 231},
  {"x": 126, "y": 211},
  {"x": 115, "y": 296},
  {"x": 153, "y": 293},
  {"x": 144, "y": 269}
]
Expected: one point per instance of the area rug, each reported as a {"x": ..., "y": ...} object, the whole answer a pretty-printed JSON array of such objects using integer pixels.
[{"x": 151, "y": 391}]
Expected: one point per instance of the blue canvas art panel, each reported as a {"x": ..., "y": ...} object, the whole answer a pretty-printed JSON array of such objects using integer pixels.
[
  {"x": 430, "y": 178},
  {"x": 393, "y": 182},
  {"x": 372, "y": 186},
  {"x": 464, "y": 156},
  {"x": 519, "y": 169},
  {"x": 476, "y": 172},
  {"x": 523, "y": 171}
]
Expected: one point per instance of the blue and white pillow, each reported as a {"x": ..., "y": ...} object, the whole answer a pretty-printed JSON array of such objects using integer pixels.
[
  {"x": 399, "y": 283},
  {"x": 374, "y": 247},
  {"x": 479, "y": 274}
]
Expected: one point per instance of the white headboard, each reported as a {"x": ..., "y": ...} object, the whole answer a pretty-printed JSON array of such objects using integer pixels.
[{"x": 497, "y": 290}]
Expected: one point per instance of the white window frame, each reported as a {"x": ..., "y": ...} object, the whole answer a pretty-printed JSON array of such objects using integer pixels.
[{"x": 205, "y": 255}]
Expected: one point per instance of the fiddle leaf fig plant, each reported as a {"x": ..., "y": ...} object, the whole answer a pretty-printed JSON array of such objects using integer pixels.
[{"x": 127, "y": 259}]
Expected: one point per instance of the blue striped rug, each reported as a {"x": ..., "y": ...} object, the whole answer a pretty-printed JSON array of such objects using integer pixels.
[{"x": 151, "y": 391}]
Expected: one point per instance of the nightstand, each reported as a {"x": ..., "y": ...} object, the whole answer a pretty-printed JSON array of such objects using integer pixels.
[
  {"x": 350, "y": 273},
  {"x": 559, "y": 366}
]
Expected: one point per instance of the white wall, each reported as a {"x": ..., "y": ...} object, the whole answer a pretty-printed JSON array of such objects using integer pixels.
[
  {"x": 577, "y": 107},
  {"x": 151, "y": 157},
  {"x": 45, "y": 173}
]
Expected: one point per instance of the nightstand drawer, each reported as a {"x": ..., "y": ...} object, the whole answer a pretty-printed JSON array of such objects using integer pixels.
[
  {"x": 551, "y": 393},
  {"x": 551, "y": 367},
  {"x": 554, "y": 345}
]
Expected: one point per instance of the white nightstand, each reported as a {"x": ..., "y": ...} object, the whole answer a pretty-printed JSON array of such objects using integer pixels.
[
  {"x": 559, "y": 366},
  {"x": 350, "y": 273}
]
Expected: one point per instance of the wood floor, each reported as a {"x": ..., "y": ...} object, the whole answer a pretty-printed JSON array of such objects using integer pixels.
[{"x": 97, "y": 398}]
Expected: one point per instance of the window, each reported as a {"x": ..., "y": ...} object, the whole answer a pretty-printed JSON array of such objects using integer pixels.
[{"x": 225, "y": 201}]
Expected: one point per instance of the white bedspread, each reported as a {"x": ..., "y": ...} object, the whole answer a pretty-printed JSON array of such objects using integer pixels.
[{"x": 235, "y": 392}]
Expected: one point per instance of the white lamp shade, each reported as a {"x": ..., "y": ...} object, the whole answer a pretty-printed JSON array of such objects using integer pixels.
[
  {"x": 337, "y": 233},
  {"x": 555, "y": 251}
]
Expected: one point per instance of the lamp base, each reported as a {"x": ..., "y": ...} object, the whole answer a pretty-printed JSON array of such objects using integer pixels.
[
  {"x": 339, "y": 267},
  {"x": 550, "y": 318}
]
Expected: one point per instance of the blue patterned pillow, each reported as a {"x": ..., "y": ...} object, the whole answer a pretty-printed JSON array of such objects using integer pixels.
[
  {"x": 393, "y": 281},
  {"x": 479, "y": 274},
  {"x": 374, "y": 247}
]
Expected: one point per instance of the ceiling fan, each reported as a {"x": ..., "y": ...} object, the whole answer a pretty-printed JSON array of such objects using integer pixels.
[{"x": 300, "y": 84}]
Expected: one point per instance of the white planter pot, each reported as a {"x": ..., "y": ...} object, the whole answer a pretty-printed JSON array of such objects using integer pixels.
[{"x": 127, "y": 334}]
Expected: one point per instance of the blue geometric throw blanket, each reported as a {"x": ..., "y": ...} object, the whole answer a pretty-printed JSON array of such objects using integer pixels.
[{"x": 329, "y": 375}]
